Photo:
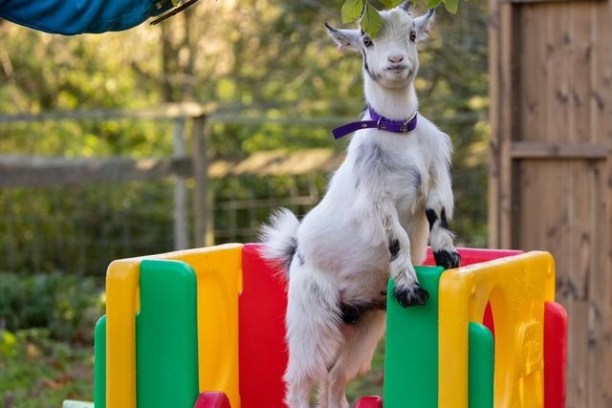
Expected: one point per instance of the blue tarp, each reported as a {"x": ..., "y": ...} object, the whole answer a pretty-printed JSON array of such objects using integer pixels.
[{"x": 81, "y": 16}]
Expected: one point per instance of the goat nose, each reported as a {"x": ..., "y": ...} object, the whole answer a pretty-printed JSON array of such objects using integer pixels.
[{"x": 396, "y": 59}]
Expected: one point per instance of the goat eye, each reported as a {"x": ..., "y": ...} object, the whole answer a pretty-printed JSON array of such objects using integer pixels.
[
  {"x": 413, "y": 36},
  {"x": 367, "y": 42}
]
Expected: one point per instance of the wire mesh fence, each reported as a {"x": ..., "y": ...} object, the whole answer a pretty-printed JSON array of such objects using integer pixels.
[{"x": 82, "y": 229}]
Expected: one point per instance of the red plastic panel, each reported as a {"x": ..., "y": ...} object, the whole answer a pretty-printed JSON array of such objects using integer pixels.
[
  {"x": 488, "y": 321},
  {"x": 263, "y": 352},
  {"x": 471, "y": 256},
  {"x": 212, "y": 400},
  {"x": 555, "y": 355},
  {"x": 372, "y": 401}
]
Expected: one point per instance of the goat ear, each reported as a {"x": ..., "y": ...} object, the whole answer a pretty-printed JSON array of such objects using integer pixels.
[
  {"x": 423, "y": 24},
  {"x": 344, "y": 39},
  {"x": 406, "y": 5}
]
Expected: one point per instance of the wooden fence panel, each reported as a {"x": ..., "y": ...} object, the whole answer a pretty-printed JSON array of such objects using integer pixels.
[{"x": 551, "y": 164}]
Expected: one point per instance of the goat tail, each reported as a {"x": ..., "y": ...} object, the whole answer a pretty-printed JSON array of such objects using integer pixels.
[{"x": 279, "y": 239}]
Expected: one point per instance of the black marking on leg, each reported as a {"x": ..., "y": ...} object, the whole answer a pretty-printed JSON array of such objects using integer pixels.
[
  {"x": 412, "y": 296},
  {"x": 394, "y": 248},
  {"x": 432, "y": 217},
  {"x": 443, "y": 220},
  {"x": 350, "y": 313},
  {"x": 447, "y": 259}
]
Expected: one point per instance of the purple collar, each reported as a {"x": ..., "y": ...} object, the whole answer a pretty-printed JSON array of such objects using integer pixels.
[{"x": 378, "y": 122}]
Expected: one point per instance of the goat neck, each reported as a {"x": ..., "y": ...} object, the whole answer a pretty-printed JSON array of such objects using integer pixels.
[{"x": 393, "y": 103}]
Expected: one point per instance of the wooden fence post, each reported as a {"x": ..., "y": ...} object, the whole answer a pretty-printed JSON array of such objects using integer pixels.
[
  {"x": 203, "y": 231},
  {"x": 181, "y": 235}
]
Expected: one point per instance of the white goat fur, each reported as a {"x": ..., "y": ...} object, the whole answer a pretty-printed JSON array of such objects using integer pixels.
[{"x": 339, "y": 256}]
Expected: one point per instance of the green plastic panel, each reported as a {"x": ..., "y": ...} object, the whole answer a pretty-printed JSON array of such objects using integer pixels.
[
  {"x": 100, "y": 363},
  {"x": 481, "y": 363},
  {"x": 411, "y": 356},
  {"x": 166, "y": 336}
]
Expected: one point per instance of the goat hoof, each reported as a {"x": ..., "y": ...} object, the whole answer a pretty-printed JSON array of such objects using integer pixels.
[
  {"x": 413, "y": 296},
  {"x": 447, "y": 259}
]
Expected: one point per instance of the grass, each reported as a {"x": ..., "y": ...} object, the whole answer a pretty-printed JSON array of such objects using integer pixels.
[{"x": 37, "y": 372}]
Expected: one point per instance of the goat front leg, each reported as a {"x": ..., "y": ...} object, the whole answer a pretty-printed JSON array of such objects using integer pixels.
[
  {"x": 408, "y": 291},
  {"x": 439, "y": 212},
  {"x": 444, "y": 251}
]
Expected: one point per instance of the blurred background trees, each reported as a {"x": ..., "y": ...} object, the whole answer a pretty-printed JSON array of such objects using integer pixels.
[
  {"x": 264, "y": 60},
  {"x": 260, "y": 60}
]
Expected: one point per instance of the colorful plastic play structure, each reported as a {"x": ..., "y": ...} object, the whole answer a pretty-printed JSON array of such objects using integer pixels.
[{"x": 204, "y": 328}]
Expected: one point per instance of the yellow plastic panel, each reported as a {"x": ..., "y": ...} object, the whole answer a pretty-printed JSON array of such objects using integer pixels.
[
  {"x": 219, "y": 274},
  {"x": 517, "y": 288},
  {"x": 219, "y": 279},
  {"x": 121, "y": 308}
]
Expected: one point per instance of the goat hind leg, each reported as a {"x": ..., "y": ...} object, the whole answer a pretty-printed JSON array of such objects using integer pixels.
[
  {"x": 313, "y": 336},
  {"x": 355, "y": 357}
]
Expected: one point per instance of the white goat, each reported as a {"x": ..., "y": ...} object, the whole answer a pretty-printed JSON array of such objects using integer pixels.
[{"x": 393, "y": 188}]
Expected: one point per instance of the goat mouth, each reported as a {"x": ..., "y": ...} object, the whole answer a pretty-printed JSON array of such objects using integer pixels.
[{"x": 397, "y": 68}]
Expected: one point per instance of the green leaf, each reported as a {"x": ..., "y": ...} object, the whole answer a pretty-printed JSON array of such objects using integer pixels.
[
  {"x": 351, "y": 10},
  {"x": 433, "y": 3},
  {"x": 391, "y": 3},
  {"x": 371, "y": 22},
  {"x": 451, "y": 5}
]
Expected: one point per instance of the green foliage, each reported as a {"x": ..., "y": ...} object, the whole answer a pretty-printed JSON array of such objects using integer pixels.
[
  {"x": 46, "y": 330},
  {"x": 351, "y": 10},
  {"x": 83, "y": 229},
  {"x": 371, "y": 22},
  {"x": 451, "y": 5},
  {"x": 391, "y": 3},
  {"x": 369, "y": 17},
  {"x": 66, "y": 306}
]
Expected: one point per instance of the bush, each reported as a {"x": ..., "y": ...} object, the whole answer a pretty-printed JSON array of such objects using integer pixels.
[{"x": 68, "y": 306}]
